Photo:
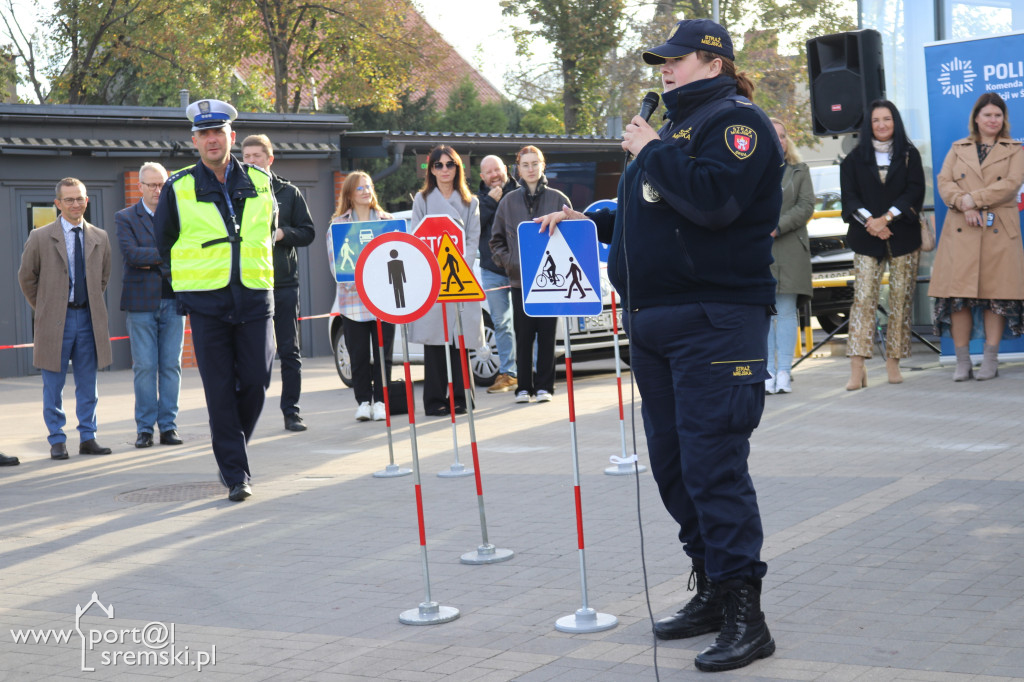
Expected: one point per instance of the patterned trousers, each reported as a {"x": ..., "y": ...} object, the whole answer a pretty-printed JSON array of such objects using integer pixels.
[{"x": 866, "y": 287}]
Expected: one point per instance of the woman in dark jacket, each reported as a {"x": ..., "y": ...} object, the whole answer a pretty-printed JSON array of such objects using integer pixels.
[
  {"x": 533, "y": 198},
  {"x": 791, "y": 252},
  {"x": 883, "y": 189}
]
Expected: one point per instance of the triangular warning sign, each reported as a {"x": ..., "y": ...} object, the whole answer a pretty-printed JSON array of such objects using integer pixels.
[
  {"x": 559, "y": 277},
  {"x": 457, "y": 281}
]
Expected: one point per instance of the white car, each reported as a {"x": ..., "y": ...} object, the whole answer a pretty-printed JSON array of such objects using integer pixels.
[{"x": 590, "y": 336}]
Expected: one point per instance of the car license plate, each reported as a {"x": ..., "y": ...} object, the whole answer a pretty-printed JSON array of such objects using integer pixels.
[
  {"x": 599, "y": 323},
  {"x": 821, "y": 278}
]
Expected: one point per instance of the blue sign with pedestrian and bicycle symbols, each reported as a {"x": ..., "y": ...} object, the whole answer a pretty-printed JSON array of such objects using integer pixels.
[{"x": 561, "y": 272}]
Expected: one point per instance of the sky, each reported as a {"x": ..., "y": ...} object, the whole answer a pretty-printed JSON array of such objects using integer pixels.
[{"x": 478, "y": 32}]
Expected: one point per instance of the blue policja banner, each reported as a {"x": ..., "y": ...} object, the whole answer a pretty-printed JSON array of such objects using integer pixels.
[{"x": 958, "y": 73}]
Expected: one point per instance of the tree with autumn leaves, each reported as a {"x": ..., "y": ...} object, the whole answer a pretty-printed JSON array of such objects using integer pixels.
[
  {"x": 290, "y": 51},
  {"x": 595, "y": 68}
]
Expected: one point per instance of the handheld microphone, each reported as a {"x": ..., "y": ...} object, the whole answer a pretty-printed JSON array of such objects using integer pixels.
[
  {"x": 650, "y": 103},
  {"x": 647, "y": 107}
]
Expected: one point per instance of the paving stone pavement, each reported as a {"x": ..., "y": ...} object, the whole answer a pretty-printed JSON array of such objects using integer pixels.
[{"x": 894, "y": 521}]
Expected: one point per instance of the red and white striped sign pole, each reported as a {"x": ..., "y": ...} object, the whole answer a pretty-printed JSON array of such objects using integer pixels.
[
  {"x": 486, "y": 553},
  {"x": 388, "y": 268},
  {"x": 626, "y": 464},
  {"x": 585, "y": 619},
  {"x": 457, "y": 468},
  {"x": 391, "y": 470}
]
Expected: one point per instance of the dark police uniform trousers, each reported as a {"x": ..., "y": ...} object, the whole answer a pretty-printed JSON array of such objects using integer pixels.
[
  {"x": 235, "y": 356},
  {"x": 700, "y": 369}
]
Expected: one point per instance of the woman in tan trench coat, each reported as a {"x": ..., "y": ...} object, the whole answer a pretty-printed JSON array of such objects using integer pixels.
[{"x": 980, "y": 262}]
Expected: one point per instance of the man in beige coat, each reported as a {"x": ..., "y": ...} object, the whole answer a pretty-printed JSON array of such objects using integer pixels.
[{"x": 64, "y": 272}]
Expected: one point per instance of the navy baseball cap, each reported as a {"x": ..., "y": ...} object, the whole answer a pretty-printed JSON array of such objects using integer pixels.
[
  {"x": 690, "y": 35},
  {"x": 210, "y": 113}
]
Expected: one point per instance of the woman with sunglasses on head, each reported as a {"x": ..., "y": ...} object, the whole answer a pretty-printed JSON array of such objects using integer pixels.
[
  {"x": 532, "y": 199},
  {"x": 445, "y": 193},
  {"x": 357, "y": 203}
]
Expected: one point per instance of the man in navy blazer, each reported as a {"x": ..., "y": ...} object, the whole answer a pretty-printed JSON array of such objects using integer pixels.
[{"x": 155, "y": 329}]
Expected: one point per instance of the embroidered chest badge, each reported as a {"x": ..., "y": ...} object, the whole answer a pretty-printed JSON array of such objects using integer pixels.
[
  {"x": 741, "y": 140},
  {"x": 650, "y": 194}
]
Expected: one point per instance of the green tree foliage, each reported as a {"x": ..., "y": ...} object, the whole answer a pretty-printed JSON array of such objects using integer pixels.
[
  {"x": 145, "y": 51},
  {"x": 354, "y": 51},
  {"x": 8, "y": 72},
  {"x": 779, "y": 79},
  {"x": 543, "y": 118},
  {"x": 466, "y": 114},
  {"x": 394, "y": 191},
  {"x": 583, "y": 32}
]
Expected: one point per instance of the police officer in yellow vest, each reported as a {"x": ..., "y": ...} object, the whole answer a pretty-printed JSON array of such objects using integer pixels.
[{"x": 214, "y": 227}]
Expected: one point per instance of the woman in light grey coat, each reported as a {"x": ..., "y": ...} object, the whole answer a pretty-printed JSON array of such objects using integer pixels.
[
  {"x": 445, "y": 193},
  {"x": 792, "y": 267}
]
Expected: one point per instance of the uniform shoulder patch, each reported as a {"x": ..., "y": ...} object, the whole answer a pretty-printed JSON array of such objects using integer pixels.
[{"x": 741, "y": 140}]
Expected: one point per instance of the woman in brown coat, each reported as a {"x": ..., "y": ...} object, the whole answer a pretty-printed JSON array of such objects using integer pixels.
[{"x": 980, "y": 264}]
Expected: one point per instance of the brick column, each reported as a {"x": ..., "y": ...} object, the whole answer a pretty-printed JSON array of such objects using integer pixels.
[
  {"x": 132, "y": 194},
  {"x": 339, "y": 178}
]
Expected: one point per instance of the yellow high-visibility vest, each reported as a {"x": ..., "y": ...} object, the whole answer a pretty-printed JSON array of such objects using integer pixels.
[{"x": 198, "y": 268}]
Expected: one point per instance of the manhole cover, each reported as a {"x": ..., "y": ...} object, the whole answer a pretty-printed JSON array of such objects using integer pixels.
[{"x": 177, "y": 492}]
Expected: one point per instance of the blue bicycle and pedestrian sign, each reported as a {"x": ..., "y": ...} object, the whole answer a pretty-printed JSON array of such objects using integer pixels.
[{"x": 561, "y": 275}]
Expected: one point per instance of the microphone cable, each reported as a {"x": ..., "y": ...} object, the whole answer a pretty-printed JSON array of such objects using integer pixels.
[{"x": 650, "y": 103}]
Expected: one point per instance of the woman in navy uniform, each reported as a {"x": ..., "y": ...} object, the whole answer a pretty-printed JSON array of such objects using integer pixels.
[{"x": 690, "y": 254}]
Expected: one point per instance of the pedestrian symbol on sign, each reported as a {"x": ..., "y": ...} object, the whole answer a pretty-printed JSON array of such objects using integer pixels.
[{"x": 458, "y": 284}]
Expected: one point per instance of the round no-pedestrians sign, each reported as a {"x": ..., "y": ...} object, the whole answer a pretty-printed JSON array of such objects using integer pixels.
[{"x": 397, "y": 277}]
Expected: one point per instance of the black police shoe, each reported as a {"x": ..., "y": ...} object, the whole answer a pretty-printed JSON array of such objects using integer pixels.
[
  {"x": 170, "y": 437},
  {"x": 744, "y": 637},
  {"x": 239, "y": 492},
  {"x": 701, "y": 615},
  {"x": 293, "y": 422},
  {"x": 91, "y": 447}
]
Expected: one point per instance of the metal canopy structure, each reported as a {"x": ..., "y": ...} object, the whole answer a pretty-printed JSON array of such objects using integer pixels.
[{"x": 562, "y": 148}]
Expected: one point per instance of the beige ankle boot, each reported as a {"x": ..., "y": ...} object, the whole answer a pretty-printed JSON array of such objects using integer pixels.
[
  {"x": 963, "y": 370},
  {"x": 858, "y": 373},
  {"x": 892, "y": 368},
  {"x": 989, "y": 364}
]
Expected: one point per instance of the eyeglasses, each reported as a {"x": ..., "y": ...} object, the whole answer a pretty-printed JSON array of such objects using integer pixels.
[
  {"x": 75, "y": 200},
  {"x": 364, "y": 188},
  {"x": 155, "y": 186},
  {"x": 449, "y": 165}
]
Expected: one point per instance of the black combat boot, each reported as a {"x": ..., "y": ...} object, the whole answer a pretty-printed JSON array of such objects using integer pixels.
[
  {"x": 703, "y": 613},
  {"x": 744, "y": 637}
]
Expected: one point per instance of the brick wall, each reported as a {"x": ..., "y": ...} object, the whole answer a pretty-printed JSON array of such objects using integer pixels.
[
  {"x": 339, "y": 178},
  {"x": 132, "y": 195}
]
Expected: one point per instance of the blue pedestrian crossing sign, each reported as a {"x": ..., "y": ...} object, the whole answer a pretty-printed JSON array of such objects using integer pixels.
[
  {"x": 561, "y": 275},
  {"x": 347, "y": 241}
]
